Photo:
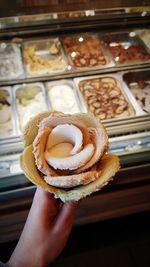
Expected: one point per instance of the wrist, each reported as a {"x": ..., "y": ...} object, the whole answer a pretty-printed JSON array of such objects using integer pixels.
[
  {"x": 2, "y": 264},
  {"x": 24, "y": 262}
]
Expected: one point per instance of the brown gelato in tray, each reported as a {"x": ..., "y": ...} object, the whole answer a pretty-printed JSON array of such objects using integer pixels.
[
  {"x": 139, "y": 84},
  {"x": 86, "y": 51},
  {"x": 104, "y": 97},
  {"x": 72, "y": 14},
  {"x": 126, "y": 48}
]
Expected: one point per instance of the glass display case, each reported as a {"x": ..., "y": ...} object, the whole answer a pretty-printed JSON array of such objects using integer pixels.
[{"x": 85, "y": 60}]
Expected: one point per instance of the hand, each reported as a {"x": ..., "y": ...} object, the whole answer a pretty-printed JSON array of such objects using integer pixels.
[{"x": 45, "y": 233}]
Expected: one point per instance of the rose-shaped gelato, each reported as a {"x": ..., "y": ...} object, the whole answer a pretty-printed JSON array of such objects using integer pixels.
[{"x": 65, "y": 154}]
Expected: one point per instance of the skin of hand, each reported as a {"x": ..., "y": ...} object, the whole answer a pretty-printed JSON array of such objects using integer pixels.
[{"x": 45, "y": 233}]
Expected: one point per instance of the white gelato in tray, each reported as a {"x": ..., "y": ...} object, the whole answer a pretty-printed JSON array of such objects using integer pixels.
[
  {"x": 62, "y": 97},
  {"x": 6, "y": 122},
  {"x": 10, "y": 61}
]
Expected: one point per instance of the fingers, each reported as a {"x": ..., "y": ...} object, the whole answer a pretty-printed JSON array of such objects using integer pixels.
[
  {"x": 44, "y": 206},
  {"x": 65, "y": 217},
  {"x": 45, "y": 199},
  {"x": 50, "y": 210}
]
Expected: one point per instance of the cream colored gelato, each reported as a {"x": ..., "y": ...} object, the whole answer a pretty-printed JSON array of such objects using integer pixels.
[
  {"x": 6, "y": 126},
  {"x": 62, "y": 99},
  {"x": 44, "y": 57}
]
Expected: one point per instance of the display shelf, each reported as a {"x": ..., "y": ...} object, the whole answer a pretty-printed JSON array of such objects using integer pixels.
[{"x": 129, "y": 137}]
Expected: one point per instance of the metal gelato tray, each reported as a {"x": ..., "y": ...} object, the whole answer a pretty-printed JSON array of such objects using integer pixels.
[
  {"x": 29, "y": 100},
  {"x": 86, "y": 51},
  {"x": 7, "y": 120},
  {"x": 126, "y": 48},
  {"x": 106, "y": 97},
  {"x": 62, "y": 96},
  {"x": 138, "y": 82},
  {"x": 144, "y": 34},
  {"x": 44, "y": 57},
  {"x": 11, "y": 65}
]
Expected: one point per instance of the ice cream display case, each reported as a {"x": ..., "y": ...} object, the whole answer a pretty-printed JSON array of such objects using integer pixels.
[{"x": 54, "y": 61}]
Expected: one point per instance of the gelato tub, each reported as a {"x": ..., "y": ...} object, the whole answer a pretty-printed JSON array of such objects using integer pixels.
[
  {"x": 145, "y": 36},
  {"x": 85, "y": 51},
  {"x": 62, "y": 96},
  {"x": 139, "y": 84},
  {"x": 6, "y": 110},
  {"x": 44, "y": 57},
  {"x": 126, "y": 48},
  {"x": 10, "y": 61},
  {"x": 105, "y": 98},
  {"x": 30, "y": 100}
]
